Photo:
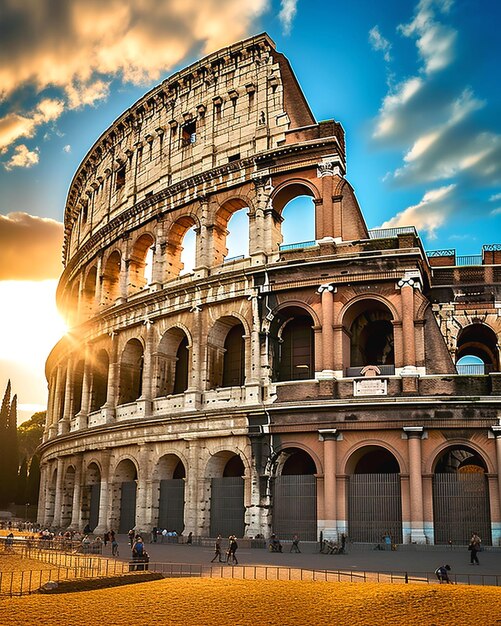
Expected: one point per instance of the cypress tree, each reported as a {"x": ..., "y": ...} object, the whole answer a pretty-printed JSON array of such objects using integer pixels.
[{"x": 4, "y": 464}]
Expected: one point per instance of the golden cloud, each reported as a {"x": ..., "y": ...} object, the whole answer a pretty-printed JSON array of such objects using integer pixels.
[{"x": 30, "y": 247}]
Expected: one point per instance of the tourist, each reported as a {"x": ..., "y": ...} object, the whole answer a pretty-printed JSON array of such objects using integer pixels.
[
  {"x": 154, "y": 532},
  {"x": 131, "y": 537},
  {"x": 189, "y": 539},
  {"x": 295, "y": 544},
  {"x": 217, "y": 550},
  {"x": 232, "y": 549},
  {"x": 442, "y": 573},
  {"x": 474, "y": 548}
]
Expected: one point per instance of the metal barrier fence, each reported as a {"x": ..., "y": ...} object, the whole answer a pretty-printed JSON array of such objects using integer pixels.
[{"x": 72, "y": 567}]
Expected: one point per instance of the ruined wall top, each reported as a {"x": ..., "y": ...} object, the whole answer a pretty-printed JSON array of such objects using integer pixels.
[{"x": 233, "y": 104}]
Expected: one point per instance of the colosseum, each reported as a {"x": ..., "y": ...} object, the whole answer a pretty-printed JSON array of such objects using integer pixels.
[{"x": 345, "y": 384}]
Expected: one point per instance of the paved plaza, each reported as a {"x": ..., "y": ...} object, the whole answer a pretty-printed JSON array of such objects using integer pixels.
[{"x": 422, "y": 559}]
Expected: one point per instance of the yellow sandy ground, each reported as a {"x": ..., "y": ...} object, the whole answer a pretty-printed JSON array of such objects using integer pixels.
[{"x": 260, "y": 603}]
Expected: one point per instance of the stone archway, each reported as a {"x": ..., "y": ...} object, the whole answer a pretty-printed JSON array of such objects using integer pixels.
[
  {"x": 227, "y": 511},
  {"x": 295, "y": 495},
  {"x": 172, "y": 476},
  {"x": 460, "y": 497},
  {"x": 374, "y": 496}
]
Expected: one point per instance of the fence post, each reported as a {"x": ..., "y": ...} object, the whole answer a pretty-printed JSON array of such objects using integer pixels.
[{"x": 406, "y": 578}]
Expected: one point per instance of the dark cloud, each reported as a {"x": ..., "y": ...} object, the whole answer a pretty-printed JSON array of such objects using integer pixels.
[{"x": 30, "y": 247}]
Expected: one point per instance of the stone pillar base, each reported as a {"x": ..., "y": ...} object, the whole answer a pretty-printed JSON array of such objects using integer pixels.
[
  {"x": 192, "y": 399},
  {"x": 252, "y": 393}
]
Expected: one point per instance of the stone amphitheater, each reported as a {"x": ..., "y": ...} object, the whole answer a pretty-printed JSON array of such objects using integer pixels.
[{"x": 345, "y": 384}]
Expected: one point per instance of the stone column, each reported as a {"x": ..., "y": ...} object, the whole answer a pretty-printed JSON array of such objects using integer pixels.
[
  {"x": 146, "y": 399},
  {"x": 328, "y": 213},
  {"x": 76, "y": 510},
  {"x": 104, "y": 497},
  {"x": 143, "y": 520},
  {"x": 414, "y": 435},
  {"x": 327, "y": 292},
  {"x": 408, "y": 338},
  {"x": 203, "y": 251},
  {"x": 252, "y": 383},
  {"x": 58, "y": 401},
  {"x": 59, "y": 493},
  {"x": 496, "y": 530},
  {"x": 63, "y": 425},
  {"x": 113, "y": 380},
  {"x": 257, "y": 247},
  {"x": 99, "y": 283},
  {"x": 42, "y": 495},
  {"x": 329, "y": 437},
  {"x": 83, "y": 414},
  {"x": 193, "y": 395}
]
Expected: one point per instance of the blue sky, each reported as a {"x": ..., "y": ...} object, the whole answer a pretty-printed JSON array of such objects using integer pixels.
[{"x": 415, "y": 85}]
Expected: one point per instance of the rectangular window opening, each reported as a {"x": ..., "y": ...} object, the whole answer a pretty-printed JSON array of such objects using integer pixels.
[
  {"x": 120, "y": 178},
  {"x": 189, "y": 133}
]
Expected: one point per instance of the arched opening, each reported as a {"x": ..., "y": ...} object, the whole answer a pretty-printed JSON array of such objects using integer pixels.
[
  {"x": 131, "y": 372},
  {"x": 237, "y": 239},
  {"x": 292, "y": 345},
  {"x": 226, "y": 353},
  {"x": 78, "y": 374},
  {"x": 89, "y": 292},
  {"x": 294, "y": 212},
  {"x": 99, "y": 380},
  {"x": 111, "y": 279},
  {"x": 460, "y": 497},
  {"x": 299, "y": 221},
  {"x": 124, "y": 496},
  {"x": 374, "y": 496},
  {"x": 295, "y": 495},
  {"x": 181, "y": 247},
  {"x": 234, "y": 357},
  {"x": 477, "y": 350},
  {"x": 67, "y": 497},
  {"x": 369, "y": 338},
  {"x": 91, "y": 496},
  {"x": 231, "y": 243},
  {"x": 172, "y": 474},
  {"x": 172, "y": 363},
  {"x": 227, "y": 512},
  {"x": 139, "y": 271}
]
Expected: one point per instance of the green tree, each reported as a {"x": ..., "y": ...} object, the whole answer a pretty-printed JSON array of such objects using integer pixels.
[
  {"x": 29, "y": 434},
  {"x": 9, "y": 460}
]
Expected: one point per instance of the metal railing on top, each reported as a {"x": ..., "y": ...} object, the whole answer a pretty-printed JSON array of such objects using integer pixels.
[
  {"x": 296, "y": 246},
  {"x": 474, "y": 369},
  {"x": 384, "y": 233}
]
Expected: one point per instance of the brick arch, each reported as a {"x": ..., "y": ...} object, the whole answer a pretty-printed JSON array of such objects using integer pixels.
[
  {"x": 350, "y": 456},
  {"x": 274, "y": 463},
  {"x": 175, "y": 235},
  {"x": 431, "y": 460},
  {"x": 290, "y": 189}
]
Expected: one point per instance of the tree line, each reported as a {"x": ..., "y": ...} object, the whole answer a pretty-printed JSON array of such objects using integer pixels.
[{"x": 19, "y": 462}]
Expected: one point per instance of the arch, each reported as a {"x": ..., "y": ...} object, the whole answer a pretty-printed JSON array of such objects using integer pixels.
[
  {"x": 131, "y": 372},
  {"x": 290, "y": 189},
  {"x": 110, "y": 290},
  {"x": 222, "y": 218},
  {"x": 374, "y": 495},
  {"x": 78, "y": 374},
  {"x": 226, "y": 470},
  {"x": 91, "y": 495},
  {"x": 460, "y": 489},
  {"x": 124, "y": 495},
  {"x": 175, "y": 237},
  {"x": 172, "y": 362},
  {"x": 137, "y": 263},
  {"x": 226, "y": 352},
  {"x": 100, "y": 369},
  {"x": 480, "y": 341},
  {"x": 89, "y": 292},
  {"x": 292, "y": 344},
  {"x": 171, "y": 471},
  {"x": 368, "y": 337},
  {"x": 68, "y": 487},
  {"x": 294, "y": 494}
]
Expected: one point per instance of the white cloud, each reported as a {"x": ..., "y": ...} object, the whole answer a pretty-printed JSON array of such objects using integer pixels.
[
  {"x": 22, "y": 157},
  {"x": 435, "y": 41},
  {"x": 67, "y": 149},
  {"x": 495, "y": 197},
  {"x": 496, "y": 211},
  {"x": 379, "y": 43},
  {"x": 429, "y": 214},
  {"x": 287, "y": 13},
  {"x": 78, "y": 49},
  {"x": 391, "y": 117}
]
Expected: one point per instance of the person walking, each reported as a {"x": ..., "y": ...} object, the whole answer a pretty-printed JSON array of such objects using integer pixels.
[
  {"x": 295, "y": 544},
  {"x": 442, "y": 574},
  {"x": 474, "y": 548},
  {"x": 232, "y": 550},
  {"x": 217, "y": 550}
]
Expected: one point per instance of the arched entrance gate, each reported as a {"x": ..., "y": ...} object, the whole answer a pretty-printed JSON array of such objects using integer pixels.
[
  {"x": 461, "y": 497},
  {"x": 374, "y": 496}
]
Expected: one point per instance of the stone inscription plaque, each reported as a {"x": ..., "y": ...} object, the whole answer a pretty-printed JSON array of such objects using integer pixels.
[{"x": 370, "y": 387}]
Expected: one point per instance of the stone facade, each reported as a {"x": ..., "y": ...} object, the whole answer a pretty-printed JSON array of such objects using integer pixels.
[{"x": 323, "y": 373}]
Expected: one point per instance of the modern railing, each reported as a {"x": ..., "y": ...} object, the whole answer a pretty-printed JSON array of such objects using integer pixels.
[
  {"x": 469, "y": 259},
  {"x": 296, "y": 246},
  {"x": 384, "y": 233},
  {"x": 474, "y": 369}
]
